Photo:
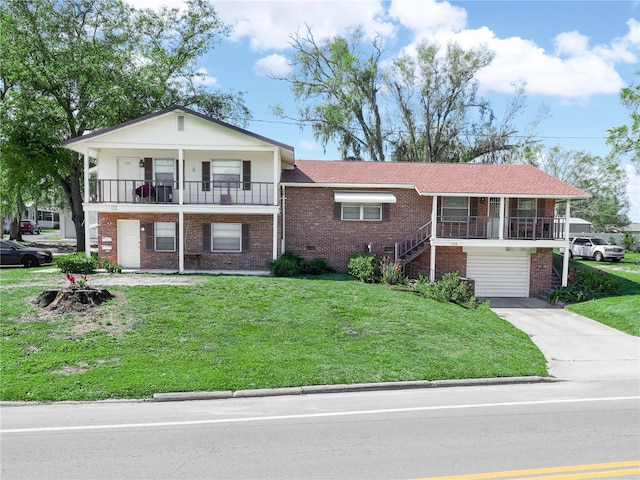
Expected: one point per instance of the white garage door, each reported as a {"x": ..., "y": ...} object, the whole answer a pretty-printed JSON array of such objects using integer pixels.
[{"x": 499, "y": 274}]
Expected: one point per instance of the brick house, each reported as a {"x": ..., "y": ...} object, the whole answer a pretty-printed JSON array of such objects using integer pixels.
[{"x": 181, "y": 191}]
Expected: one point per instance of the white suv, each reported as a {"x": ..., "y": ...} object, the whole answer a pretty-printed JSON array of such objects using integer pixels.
[{"x": 595, "y": 248}]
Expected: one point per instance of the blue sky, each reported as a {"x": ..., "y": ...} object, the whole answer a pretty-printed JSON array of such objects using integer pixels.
[{"x": 574, "y": 56}]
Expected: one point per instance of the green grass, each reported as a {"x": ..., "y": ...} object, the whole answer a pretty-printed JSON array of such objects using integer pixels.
[
  {"x": 228, "y": 333},
  {"x": 620, "y": 311}
]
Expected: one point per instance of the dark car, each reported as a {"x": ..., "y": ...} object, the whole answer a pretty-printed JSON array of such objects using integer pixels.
[
  {"x": 29, "y": 226},
  {"x": 12, "y": 253}
]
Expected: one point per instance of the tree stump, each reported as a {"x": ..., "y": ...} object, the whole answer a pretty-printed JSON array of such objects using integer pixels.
[{"x": 72, "y": 299}]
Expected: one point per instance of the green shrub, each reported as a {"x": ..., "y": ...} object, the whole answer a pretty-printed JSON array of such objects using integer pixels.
[
  {"x": 362, "y": 266},
  {"x": 391, "y": 272},
  {"x": 288, "y": 265},
  {"x": 317, "y": 266},
  {"x": 450, "y": 288},
  {"x": 585, "y": 285},
  {"x": 77, "y": 263},
  {"x": 109, "y": 266},
  {"x": 628, "y": 239},
  {"x": 291, "y": 265}
]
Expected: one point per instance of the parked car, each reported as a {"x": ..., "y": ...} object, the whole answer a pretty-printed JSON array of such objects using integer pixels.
[
  {"x": 13, "y": 253},
  {"x": 595, "y": 248},
  {"x": 29, "y": 226}
]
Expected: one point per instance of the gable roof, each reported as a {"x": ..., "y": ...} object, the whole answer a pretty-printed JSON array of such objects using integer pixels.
[
  {"x": 175, "y": 108},
  {"x": 433, "y": 178}
]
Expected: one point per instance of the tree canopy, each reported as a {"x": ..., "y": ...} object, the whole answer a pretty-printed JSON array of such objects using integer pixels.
[
  {"x": 625, "y": 139},
  {"x": 423, "y": 107},
  {"x": 603, "y": 178},
  {"x": 72, "y": 67}
]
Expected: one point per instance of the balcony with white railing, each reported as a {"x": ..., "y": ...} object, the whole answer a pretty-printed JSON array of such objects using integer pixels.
[
  {"x": 195, "y": 193},
  {"x": 515, "y": 228}
]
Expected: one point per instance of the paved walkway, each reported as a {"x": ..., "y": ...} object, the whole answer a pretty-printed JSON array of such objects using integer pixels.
[{"x": 576, "y": 347}]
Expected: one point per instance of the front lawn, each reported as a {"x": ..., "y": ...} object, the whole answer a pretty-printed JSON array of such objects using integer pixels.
[
  {"x": 621, "y": 311},
  {"x": 229, "y": 333}
]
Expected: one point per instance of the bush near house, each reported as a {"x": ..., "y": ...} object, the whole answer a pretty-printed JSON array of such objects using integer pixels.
[
  {"x": 77, "y": 263},
  {"x": 291, "y": 265}
]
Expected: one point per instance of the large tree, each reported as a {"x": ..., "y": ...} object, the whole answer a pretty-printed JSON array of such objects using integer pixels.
[
  {"x": 602, "y": 177},
  {"x": 442, "y": 117},
  {"x": 625, "y": 139},
  {"x": 337, "y": 84},
  {"x": 422, "y": 107},
  {"x": 75, "y": 66}
]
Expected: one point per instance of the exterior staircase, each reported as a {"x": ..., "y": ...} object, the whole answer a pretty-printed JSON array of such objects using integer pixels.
[{"x": 413, "y": 245}]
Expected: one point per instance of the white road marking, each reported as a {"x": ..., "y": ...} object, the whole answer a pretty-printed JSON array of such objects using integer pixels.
[{"x": 306, "y": 415}]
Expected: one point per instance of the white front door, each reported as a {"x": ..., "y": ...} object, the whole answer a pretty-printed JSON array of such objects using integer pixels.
[
  {"x": 128, "y": 172},
  {"x": 494, "y": 217},
  {"x": 129, "y": 243}
]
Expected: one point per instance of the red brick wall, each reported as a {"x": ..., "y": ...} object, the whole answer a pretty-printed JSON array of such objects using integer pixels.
[
  {"x": 258, "y": 257},
  {"x": 312, "y": 232},
  {"x": 541, "y": 272},
  {"x": 448, "y": 259}
]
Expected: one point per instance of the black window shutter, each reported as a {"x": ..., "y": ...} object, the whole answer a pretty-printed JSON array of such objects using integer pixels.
[
  {"x": 337, "y": 211},
  {"x": 177, "y": 237},
  {"x": 541, "y": 204},
  {"x": 206, "y": 237},
  {"x": 148, "y": 169},
  {"x": 178, "y": 177},
  {"x": 148, "y": 231},
  {"x": 246, "y": 175},
  {"x": 245, "y": 238},
  {"x": 386, "y": 212},
  {"x": 206, "y": 176}
]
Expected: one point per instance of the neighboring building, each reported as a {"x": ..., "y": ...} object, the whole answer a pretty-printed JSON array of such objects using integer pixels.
[
  {"x": 178, "y": 190},
  {"x": 633, "y": 228},
  {"x": 579, "y": 225}
]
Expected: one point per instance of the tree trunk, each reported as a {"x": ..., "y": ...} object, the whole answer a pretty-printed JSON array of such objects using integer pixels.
[{"x": 77, "y": 212}]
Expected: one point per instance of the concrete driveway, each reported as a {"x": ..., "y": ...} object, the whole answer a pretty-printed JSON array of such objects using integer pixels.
[{"x": 576, "y": 347}]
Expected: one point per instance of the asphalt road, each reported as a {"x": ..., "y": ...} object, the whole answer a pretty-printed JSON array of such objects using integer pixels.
[{"x": 388, "y": 435}]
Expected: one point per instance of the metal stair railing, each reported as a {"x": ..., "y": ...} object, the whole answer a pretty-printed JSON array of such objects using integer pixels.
[{"x": 413, "y": 242}]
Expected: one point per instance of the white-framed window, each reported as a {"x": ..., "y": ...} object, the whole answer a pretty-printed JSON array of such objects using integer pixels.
[
  {"x": 362, "y": 211},
  {"x": 164, "y": 236},
  {"x": 226, "y": 173},
  {"x": 527, "y": 207},
  {"x": 226, "y": 237},
  {"x": 454, "y": 207},
  {"x": 164, "y": 171}
]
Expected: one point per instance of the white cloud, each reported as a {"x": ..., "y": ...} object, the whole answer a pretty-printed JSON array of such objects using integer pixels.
[
  {"x": 203, "y": 78},
  {"x": 272, "y": 65},
  {"x": 428, "y": 17},
  {"x": 633, "y": 193},
  {"x": 571, "y": 43},
  {"x": 269, "y": 24}
]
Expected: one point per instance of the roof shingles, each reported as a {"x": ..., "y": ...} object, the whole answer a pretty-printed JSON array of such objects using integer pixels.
[{"x": 435, "y": 178}]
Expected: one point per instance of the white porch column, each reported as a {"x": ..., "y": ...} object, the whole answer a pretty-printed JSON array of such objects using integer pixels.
[
  {"x": 87, "y": 229},
  {"x": 181, "y": 239},
  {"x": 276, "y": 177},
  {"x": 434, "y": 215},
  {"x": 434, "y": 224},
  {"x": 565, "y": 255},
  {"x": 181, "y": 183},
  {"x": 432, "y": 263},
  {"x": 502, "y": 218}
]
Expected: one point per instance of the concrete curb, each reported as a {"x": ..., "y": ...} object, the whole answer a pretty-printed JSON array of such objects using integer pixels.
[{"x": 358, "y": 387}]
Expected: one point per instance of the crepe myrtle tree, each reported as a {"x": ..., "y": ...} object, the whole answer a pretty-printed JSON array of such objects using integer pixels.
[{"x": 71, "y": 67}]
